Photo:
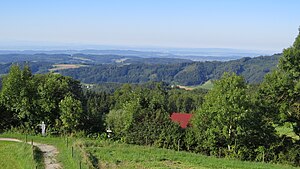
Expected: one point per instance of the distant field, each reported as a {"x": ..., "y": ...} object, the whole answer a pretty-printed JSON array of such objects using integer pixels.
[
  {"x": 186, "y": 87},
  {"x": 106, "y": 154},
  {"x": 207, "y": 85},
  {"x": 66, "y": 66},
  {"x": 16, "y": 156}
]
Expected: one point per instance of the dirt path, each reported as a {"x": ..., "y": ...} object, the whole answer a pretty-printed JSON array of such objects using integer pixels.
[{"x": 49, "y": 152}]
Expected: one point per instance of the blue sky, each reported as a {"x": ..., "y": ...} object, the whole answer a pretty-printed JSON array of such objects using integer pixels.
[{"x": 242, "y": 24}]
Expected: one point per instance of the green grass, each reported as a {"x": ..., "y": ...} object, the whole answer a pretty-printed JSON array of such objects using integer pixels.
[
  {"x": 207, "y": 85},
  {"x": 109, "y": 154},
  {"x": 65, "y": 152},
  {"x": 16, "y": 155},
  {"x": 118, "y": 155}
]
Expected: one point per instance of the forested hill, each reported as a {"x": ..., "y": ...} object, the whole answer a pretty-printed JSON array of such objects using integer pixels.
[{"x": 190, "y": 73}]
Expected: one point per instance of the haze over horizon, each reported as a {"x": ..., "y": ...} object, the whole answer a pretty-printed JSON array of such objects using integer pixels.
[{"x": 264, "y": 25}]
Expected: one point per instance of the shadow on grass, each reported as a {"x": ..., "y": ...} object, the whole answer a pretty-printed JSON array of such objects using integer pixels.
[
  {"x": 94, "y": 160},
  {"x": 38, "y": 158}
]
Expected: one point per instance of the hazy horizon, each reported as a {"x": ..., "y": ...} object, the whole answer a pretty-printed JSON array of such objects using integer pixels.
[{"x": 268, "y": 25}]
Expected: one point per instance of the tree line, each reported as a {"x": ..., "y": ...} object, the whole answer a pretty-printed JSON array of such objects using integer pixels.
[
  {"x": 27, "y": 99},
  {"x": 232, "y": 120}
]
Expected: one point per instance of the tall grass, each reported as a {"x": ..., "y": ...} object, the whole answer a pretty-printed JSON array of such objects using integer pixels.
[
  {"x": 64, "y": 146},
  {"x": 16, "y": 155}
]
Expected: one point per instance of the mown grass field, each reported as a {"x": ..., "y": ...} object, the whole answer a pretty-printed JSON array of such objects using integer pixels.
[
  {"x": 16, "y": 155},
  {"x": 118, "y": 155},
  {"x": 57, "y": 67},
  {"x": 207, "y": 85}
]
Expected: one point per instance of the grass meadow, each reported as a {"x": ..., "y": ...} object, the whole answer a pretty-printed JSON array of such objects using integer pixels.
[{"x": 108, "y": 154}]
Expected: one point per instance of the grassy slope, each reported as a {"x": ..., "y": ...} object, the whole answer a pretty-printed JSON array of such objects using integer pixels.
[
  {"x": 17, "y": 156},
  {"x": 108, "y": 154},
  {"x": 207, "y": 85},
  {"x": 65, "y": 153},
  {"x": 118, "y": 155}
]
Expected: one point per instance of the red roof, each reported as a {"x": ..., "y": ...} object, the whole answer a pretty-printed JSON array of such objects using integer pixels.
[{"x": 181, "y": 118}]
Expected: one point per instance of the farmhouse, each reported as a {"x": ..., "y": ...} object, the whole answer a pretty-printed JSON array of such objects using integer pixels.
[{"x": 182, "y": 118}]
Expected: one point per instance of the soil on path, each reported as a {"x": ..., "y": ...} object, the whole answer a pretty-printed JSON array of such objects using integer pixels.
[{"x": 49, "y": 152}]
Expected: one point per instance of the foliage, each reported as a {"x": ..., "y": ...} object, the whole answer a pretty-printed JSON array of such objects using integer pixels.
[
  {"x": 71, "y": 112},
  {"x": 31, "y": 99},
  {"x": 281, "y": 88},
  {"x": 227, "y": 120},
  {"x": 18, "y": 93},
  {"x": 185, "y": 101},
  {"x": 96, "y": 106},
  {"x": 189, "y": 73},
  {"x": 138, "y": 112}
]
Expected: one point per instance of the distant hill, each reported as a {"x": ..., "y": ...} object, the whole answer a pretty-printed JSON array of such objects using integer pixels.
[
  {"x": 79, "y": 58},
  {"x": 92, "y": 68},
  {"x": 196, "y": 54},
  {"x": 184, "y": 73}
]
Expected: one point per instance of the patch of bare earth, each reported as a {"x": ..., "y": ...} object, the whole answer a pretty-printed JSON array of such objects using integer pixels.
[
  {"x": 185, "y": 87},
  {"x": 65, "y": 66}
]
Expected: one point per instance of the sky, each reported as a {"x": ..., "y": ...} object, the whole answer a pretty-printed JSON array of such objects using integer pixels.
[{"x": 239, "y": 24}]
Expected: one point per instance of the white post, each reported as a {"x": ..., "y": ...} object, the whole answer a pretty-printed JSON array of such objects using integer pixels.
[{"x": 43, "y": 126}]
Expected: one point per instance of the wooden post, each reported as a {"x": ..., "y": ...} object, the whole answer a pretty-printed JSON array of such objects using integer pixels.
[
  {"x": 178, "y": 145},
  {"x": 72, "y": 151},
  {"x": 67, "y": 142},
  {"x": 263, "y": 156},
  {"x": 32, "y": 142}
]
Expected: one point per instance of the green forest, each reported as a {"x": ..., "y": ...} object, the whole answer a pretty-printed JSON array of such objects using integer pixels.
[
  {"x": 235, "y": 119},
  {"x": 99, "y": 69},
  {"x": 181, "y": 73}
]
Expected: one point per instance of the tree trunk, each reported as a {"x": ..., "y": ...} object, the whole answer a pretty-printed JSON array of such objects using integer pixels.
[{"x": 229, "y": 136}]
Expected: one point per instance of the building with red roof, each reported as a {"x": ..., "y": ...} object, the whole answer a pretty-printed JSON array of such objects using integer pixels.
[{"x": 182, "y": 118}]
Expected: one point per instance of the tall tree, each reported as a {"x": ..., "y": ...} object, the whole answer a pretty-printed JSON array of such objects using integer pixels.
[
  {"x": 18, "y": 94},
  {"x": 71, "y": 113},
  {"x": 226, "y": 119},
  {"x": 96, "y": 106},
  {"x": 281, "y": 88},
  {"x": 52, "y": 89}
]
